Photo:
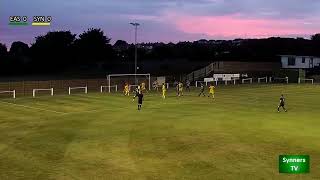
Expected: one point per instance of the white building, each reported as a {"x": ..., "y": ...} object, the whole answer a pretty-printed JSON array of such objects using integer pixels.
[
  {"x": 225, "y": 77},
  {"x": 299, "y": 62}
]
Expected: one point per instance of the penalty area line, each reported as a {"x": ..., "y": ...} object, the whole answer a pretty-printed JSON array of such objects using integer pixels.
[{"x": 30, "y": 107}]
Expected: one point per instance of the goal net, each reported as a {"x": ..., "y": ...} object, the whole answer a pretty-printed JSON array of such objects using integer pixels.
[
  {"x": 263, "y": 80},
  {"x": 301, "y": 80},
  {"x": 78, "y": 89},
  {"x": 247, "y": 81},
  {"x": 132, "y": 80},
  {"x": 13, "y": 93}
]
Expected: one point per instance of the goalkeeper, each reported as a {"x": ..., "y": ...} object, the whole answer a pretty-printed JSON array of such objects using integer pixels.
[{"x": 136, "y": 92}]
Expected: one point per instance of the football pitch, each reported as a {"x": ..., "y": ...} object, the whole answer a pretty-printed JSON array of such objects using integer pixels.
[{"x": 239, "y": 135}]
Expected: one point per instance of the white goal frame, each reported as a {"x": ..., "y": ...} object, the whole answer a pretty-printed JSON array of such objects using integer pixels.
[
  {"x": 13, "y": 93},
  {"x": 206, "y": 82},
  {"x": 247, "y": 79},
  {"x": 232, "y": 80},
  {"x": 120, "y": 75},
  {"x": 114, "y": 86},
  {"x": 201, "y": 82},
  {"x": 277, "y": 78},
  {"x": 263, "y": 79},
  {"x": 300, "y": 79},
  {"x": 35, "y": 90},
  {"x": 72, "y": 88}
]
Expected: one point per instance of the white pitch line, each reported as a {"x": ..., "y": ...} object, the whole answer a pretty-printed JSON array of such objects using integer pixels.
[
  {"x": 30, "y": 107},
  {"x": 94, "y": 110}
]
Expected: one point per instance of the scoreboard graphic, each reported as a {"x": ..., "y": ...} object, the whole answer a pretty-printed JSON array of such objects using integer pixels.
[{"x": 26, "y": 21}]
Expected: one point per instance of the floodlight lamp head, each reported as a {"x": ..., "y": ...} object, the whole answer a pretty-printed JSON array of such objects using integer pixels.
[{"x": 135, "y": 24}]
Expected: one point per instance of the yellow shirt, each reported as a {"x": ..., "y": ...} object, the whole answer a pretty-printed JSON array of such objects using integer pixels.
[
  {"x": 180, "y": 86},
  {"x": 211, "y": 89},
  {"x": 126, "y": 88},
  {"x": 143, "y": 86},
  {"x": 164, "y": 88}
]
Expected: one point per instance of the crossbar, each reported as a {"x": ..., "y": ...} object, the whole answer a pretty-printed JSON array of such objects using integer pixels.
[
  {"x": 13, "y": 92},
  {"x": 101, "y": 88}
]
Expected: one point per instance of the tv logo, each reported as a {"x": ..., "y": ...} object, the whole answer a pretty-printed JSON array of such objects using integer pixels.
[{"x": 294, "y": 164}]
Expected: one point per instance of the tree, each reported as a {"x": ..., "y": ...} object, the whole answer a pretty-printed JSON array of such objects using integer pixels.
[
  {"x": 93, "y": 46},
  {"x": 19, "y": 48},
  {"x": 3, "y": 59},
  {"x": 316, "y": 37},
  {"x": 19, "y": 56},
  {"x": 3, "y": 50},
  {"x": 121, "y": 45},
  {"x": 53, "y": 50}
]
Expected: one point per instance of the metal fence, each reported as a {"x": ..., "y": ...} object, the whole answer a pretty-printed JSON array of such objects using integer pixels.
[
  {"x": 201, "y": 73},
  {"x": 25, "y": 88}
]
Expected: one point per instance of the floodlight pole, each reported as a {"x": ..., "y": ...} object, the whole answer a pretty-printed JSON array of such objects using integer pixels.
[{"x": 135, "y": 50}]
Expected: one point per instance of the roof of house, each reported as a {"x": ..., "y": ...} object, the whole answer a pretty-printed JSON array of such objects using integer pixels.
[{"x": 287, "y": 55}]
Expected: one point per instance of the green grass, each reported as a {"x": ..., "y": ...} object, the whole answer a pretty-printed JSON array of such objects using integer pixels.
[{"x": 101, "y": 136}]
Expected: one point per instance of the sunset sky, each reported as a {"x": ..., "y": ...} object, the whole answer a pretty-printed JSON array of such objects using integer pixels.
[{"x": 166, "y": 20}]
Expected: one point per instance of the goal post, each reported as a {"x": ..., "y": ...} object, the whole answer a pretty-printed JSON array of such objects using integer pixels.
[
  {"x": 250, "y": 80},
  {"x": 13, "y": 92},
  {"x": 301, "y": 80},
  {"x": 107, "y": 87},
  {"x": 35, "y": 90},
  {"x": 85, "y": 88},
  {"x": 263, "y": 79},
  {"x": 110, "y": 76}
]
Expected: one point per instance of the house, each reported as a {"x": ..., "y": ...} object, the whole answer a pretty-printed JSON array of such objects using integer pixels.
[
  {"x": 299, "y": 62},
  {"x": 299, "y": 67}
]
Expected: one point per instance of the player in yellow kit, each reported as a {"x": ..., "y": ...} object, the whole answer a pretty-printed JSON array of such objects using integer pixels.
[
  {"x": 164, "y": 90},
  {"x": 143, "y": 87},
  {"x": 211, "y": 90},
  {"x": 126, "y": 90},
  {"x": 180, "y": 91}
]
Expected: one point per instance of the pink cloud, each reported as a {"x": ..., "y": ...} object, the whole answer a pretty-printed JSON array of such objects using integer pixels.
[{"x": 232, "y": 26}]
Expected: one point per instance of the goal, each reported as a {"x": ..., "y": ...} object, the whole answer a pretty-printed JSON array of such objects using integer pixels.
[
  {"x": 279, "y": 80},
  {"x": 77, "y": 88},
  {"x": 247, "y": 80},
  {"x": 36, "y": 90},
  {"x": 198, "y": 83},
  {"x": 263, "y": 80},
  {"x": 130, "y": 79},
  {"x": 300, "y": 80},
  {"x": 231, "y": 81},
  {"x": 105, "y": 88},
  {"x": 13, "y": 92}
]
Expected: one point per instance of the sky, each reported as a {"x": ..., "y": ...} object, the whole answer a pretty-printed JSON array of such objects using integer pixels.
[{"x": 165, "y": 20}]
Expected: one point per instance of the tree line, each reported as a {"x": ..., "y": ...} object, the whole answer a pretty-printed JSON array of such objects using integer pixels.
[{"x": 63, "y": 51}]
